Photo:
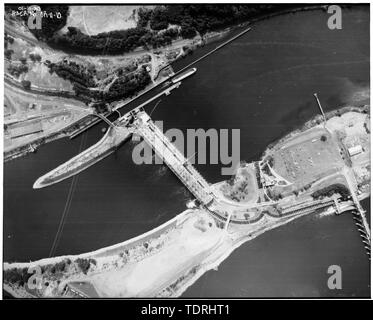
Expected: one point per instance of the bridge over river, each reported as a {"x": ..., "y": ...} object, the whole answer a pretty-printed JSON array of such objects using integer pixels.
[
  {"x": 227, "y": 212},
  {"x": 174, "y": 159}
]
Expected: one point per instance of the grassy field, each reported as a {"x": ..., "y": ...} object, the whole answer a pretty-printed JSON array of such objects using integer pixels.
[
  {"x": 39, "y": 76},
  {"x": 38, "y": 72},
  {"x": 92, "y": 20},
  {"x": 308, "y": 156}
]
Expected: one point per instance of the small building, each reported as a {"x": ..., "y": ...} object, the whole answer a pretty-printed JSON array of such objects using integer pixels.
[{"x": 355, "y": 150}]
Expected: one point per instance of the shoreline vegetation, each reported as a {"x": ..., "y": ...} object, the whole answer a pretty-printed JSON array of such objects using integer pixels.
[
  {"x": 315, "y": 121},
  {"x": 81, "y": 267},
  {"x": 84, "y": 265},
  {"x": 118, "y": 261},
  {"x": 156, "y": 27},
  {"x": 82, "y": 92},
  {"x": 202, "y": 33}
]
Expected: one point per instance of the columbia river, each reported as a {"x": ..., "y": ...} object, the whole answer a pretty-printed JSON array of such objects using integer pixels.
[{"x": 262, "y": 84}]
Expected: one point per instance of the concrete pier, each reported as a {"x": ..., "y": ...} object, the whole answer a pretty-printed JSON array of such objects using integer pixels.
[{"x": 320, "y": 107}]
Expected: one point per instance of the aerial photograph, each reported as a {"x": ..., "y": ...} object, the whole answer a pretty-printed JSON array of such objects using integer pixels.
[{"x": 199, "y": 150}]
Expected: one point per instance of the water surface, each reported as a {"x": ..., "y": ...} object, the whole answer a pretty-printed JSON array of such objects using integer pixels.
[{"x": 261, "y": 84}]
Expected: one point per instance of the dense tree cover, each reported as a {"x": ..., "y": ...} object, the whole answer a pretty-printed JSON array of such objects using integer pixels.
[
  {"x": 16, "y": 276},
  {"x": 26, "y": 84},
  {"x": 34, "y": 57},
  {"x": 8, "y": 53},
  {"x": 20, "y": 276},
  {"x": 188, "y": 32},
  {"x": 85, "y": 264},
  {"x": 128, "y": 85},
  {"x": 330, "y": 190},
  {"x": 114, "y": 42},
  {"x": 143, "y": 17},
  {"x": 158, "y": 19},
  {"x": 153, "y": 31},
  {"x": 192, "y": 19},
  {"x": 73, "y": 72},
  {"x": 100, "y": 107},
  {"x": 103, "y": 43},
  {"x": 62, "y": 265},
  {"x": 51, "y": 23},
  {"x": 83, "y": 80},
  {"x": 205, "y": 17},
  {"x": 17, "y": 70}
]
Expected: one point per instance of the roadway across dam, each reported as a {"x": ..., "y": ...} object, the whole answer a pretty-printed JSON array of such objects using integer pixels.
[{"x": 174, "y": 159}]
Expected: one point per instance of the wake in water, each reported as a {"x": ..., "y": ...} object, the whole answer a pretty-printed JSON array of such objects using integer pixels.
[{"x": 323, "y": 214}]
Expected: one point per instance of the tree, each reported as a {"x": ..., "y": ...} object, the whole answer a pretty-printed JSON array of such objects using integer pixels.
[
  {"x": 100, "y": 107},
  {"x": 26, "y": 84},
  {"x": 60, "y": 266},
  {"x": 17, "y": 70},
  {"x": 8, "y": 53},
  {"x": 188, "y": 32},
  {"x": 144, "y": 17},
  {"x": 85, "y": 264},
  {"x": 35, "y": 57},
  {"x": 158, "y": 19},
  {"x": 330, "y": 190}
]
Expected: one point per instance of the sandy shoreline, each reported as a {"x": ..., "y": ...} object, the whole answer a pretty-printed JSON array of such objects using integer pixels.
[
  {"x": 177, "y": 234},
  {"x": 236, "y": 244},
  {"x": 91, "y": 254},
  {"x": 212, "y": 260}
]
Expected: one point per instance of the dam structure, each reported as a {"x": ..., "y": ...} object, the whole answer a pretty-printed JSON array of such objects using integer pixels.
[{"x": 174, "y": 159}]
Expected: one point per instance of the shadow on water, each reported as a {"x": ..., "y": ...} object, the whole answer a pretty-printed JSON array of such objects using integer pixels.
[{"x": 261, "y": 84}]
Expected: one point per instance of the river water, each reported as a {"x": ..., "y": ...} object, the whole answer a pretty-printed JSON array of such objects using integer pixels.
[{"x": 261, "y": 84}]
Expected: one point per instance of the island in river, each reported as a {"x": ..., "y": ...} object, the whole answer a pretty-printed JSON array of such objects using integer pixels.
[{"x": 324, "y": 166}]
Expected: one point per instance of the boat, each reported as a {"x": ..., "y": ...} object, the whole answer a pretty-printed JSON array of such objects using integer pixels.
[{"x": 184, "y": 75}]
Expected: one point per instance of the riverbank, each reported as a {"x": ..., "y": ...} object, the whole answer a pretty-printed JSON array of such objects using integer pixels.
[
  {"x": 213, "y": 262},
  {"x": 84, "y": 123},
  {"x": 186, "y": 229},
  {"x": 315, "y": 121},
  {"x": 113, "y": 138},
  {"x": 34, "y": 145},
  {"x": 103, "y": 256},
  {"x": 116, "y": 271},
  {"x": 136, "y": 194},
  {"x": 217, "y": 35}
]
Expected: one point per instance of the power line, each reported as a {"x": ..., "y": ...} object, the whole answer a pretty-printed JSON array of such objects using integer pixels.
[
  {"x": 155, "y": 107},
  {"x": 67, "y": 205}
]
